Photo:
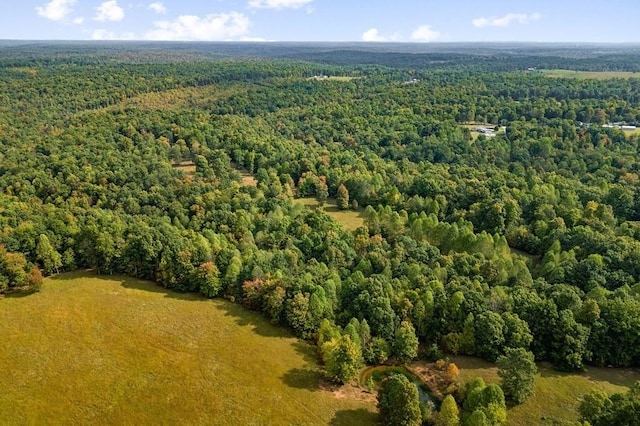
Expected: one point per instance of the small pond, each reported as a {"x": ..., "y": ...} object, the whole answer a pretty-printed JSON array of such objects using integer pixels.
[{"x": 380, "y": 372}]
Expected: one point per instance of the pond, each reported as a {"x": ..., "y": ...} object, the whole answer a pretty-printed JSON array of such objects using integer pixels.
[{"x": 380, "y": 372}]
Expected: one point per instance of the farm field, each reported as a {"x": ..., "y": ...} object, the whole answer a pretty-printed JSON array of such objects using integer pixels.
[
  {"x": 349, "y": 219},
  {"x": 116, "y": 350},
  {"x": 557, "y": 394},
  {"x": 596, "y": 75}
]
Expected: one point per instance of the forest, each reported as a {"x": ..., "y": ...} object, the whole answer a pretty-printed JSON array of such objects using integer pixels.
[{"x": 476, "y": 243}]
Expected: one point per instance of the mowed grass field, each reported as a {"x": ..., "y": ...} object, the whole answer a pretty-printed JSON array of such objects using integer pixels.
[
  {"x": 557, "y": 394},
  {"x": 115, "y": 350},
  {"x": 597, "y": 75},
  {"x": 349, "y": 219}
]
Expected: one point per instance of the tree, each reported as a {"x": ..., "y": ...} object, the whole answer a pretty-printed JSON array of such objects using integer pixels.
[
  {"x": 451, "y": 373},
  {"x": 405, "y": 345},
  {"x": 207, "y": 279},
  {"x": 377, "y": 352},
  {"x": 47, "y": 255},
  {"x": 398, "y": 402},
  {"x": 594, "y": 405},
  {"x": 489, "y": 338},
  {"x": 517, "y": 370},
  {"x": 343, "y": 358},
  {"x": 449, "y": 412},
  {"x": 342, "y": 197},
  {"x": 322, "y": 191}
]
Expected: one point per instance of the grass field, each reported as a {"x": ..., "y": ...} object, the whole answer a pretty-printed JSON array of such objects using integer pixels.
[
  {"x": 349, "y": 219},
  {"x": 333, "y": 78},
  {"x": 597, "y": 75},
  {"x": 187, "y": 167},
  {"x": 247, "y": 177},
  {"x": 115, "y": 350},
  {"x": 474, "y": 134},
  {"x": 557, "y": 394}
]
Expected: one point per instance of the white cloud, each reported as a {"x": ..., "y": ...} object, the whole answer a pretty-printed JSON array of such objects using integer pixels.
[
  {"x": 158, "y": 8},
  {"x": 109, "y": 11},
  {"x": 506, "y": 20},
  {"x": 108, "y": 35},
  {"x": 254, "y": 39},
  {"x": 277, "y": 4},
  {"x": 373, "y": 35},
  {"x": 79, "y": 20},
  {"x": 56, "y": 10},
  {"x": 222, "y": 26},
  {"x": 425, "y": 33}
]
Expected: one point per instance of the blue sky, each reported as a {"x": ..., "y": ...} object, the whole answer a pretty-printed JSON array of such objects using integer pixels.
[{"x": 323, "y": 20}]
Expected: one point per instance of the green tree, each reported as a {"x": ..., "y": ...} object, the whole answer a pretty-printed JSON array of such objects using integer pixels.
[
  {"x": 322, "y": 191},
  {"x": 398, "y": 402},
  {"x": 47, "y": 255},
  {"x": 343, "y": 358},
  {"x": 517, "y": 370},
  {"x": 594, "y": 406},
  {"x": 342, "y": 197},
  {"x": 405, "y": 345},
  {"x": 449, "y": 413},
  {"x": 207, "y": 279},
  {"x": 377, "y": 352}
]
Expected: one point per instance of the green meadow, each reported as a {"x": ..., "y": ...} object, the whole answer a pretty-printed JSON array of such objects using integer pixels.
[
  {"x": 349, "y": 219},
  {"x": 592, "y": 75},
  {"x": 116, "y": 350},
  {"x": 556, "y": 395}
]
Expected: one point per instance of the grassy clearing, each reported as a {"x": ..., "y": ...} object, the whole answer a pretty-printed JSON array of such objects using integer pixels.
[
  {"x": 557, "y": 394},
  {"x": 595, "y": 75},
  {"x": 349, "y": 219},
  {"x": 633, "y": 132},
  {"x": 115, "y": 350},
  {"x": 333, "y": 78},
  {"x": 247, "y": 177},
  {"x": 474, "y": 134},
  {"x": 187, "y": 167}
]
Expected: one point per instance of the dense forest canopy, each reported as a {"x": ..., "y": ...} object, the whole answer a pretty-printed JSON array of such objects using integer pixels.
[{"x": 524, "y": 236}]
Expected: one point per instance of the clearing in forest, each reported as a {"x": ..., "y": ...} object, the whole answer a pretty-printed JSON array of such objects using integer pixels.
[
  {"x": 594, "y": 75},
  {"x": 116, "y": 350},
  {"x": 349, "y": 219},
  {"x": 557, "y": 394}
]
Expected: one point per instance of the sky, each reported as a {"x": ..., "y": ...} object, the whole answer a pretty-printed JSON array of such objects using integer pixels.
[{"x": 421, "y": 21}]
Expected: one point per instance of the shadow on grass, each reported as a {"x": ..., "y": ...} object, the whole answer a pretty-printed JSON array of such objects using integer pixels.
[
  {"x": 74, "y": 275},
  {"x": 355, "y": 417},
  {"x": 259, "y": 325},
  {"x": 19, "y": 294},
  {"x": 303, "y": 378},
  {"x": 308, "y": 352}
]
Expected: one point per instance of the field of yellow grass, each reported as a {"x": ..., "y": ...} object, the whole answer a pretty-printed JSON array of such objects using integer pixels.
[{"x": 115, "y": 350}]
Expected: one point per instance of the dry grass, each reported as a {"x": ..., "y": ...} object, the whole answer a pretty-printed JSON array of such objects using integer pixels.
[
  {"x": 115, "y": 350},
  {"x": 187, "y": 167},
  {"x": 349, "y": 219},
  {"x": 594, "y": 75},
  {"x": 247, "y": 177},
  {"x": 557, "y": 395}
]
